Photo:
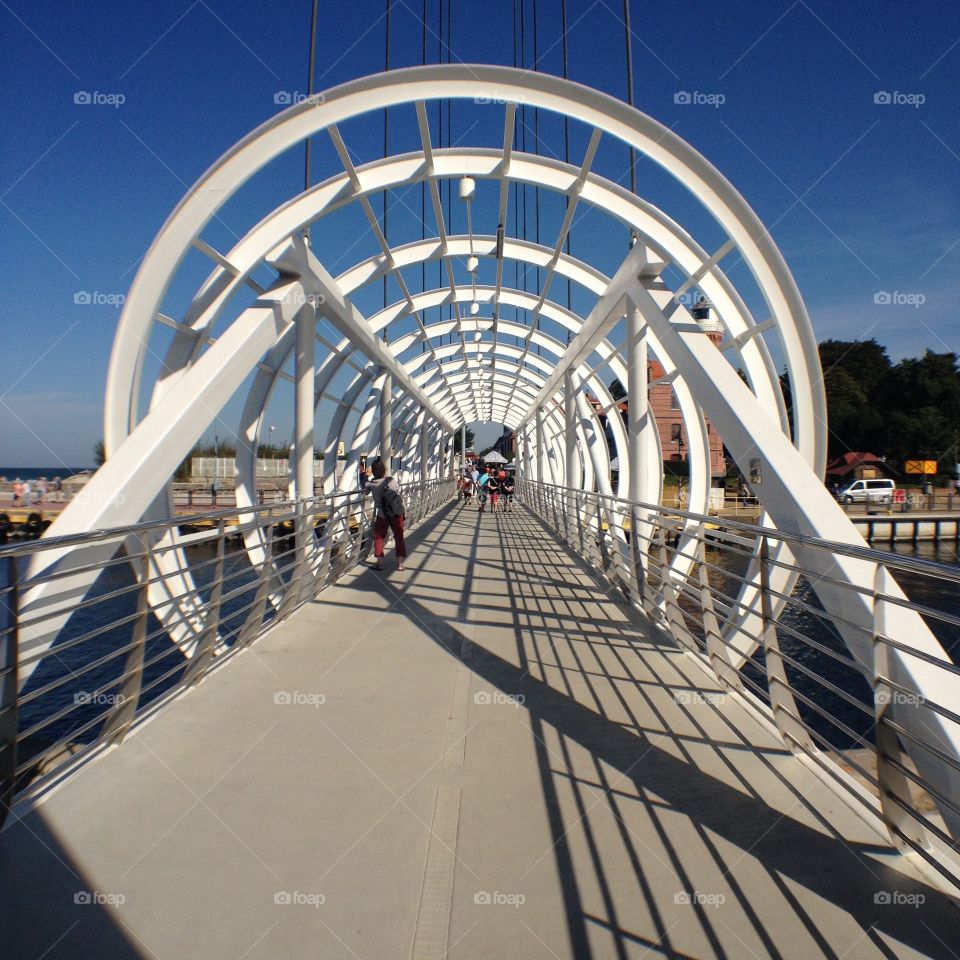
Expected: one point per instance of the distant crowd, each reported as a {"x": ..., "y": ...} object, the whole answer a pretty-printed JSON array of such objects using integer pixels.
[
  {"x": 488, "y": 485},
  {"x": 27, "y": 493}
]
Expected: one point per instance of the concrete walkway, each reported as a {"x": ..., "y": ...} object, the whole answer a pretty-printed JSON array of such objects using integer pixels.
[{"x": 482, "y": 757}]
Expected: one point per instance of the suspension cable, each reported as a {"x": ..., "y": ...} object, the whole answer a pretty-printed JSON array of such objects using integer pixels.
[
  {"x": 423, "y": 183},
  {"x": 628, "y": 39},
  {"x": 566, "y": 124},
  {"x": 536, "y": 145},
  {"x": 310, "y": 80},
  {"x": 386, "y": 137}
]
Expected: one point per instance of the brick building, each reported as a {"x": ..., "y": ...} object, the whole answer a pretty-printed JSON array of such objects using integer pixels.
[
  {"x": 663, "y": 406},
  {"x": 666, "y": 410}
]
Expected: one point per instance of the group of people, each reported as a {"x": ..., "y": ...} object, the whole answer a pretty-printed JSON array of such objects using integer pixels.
[
  {"x": 487, "y": 485},
  {"x": 28, "y": 492},
  {"x": 494, "y": 486}
]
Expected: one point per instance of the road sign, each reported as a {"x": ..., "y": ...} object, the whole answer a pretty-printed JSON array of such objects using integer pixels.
[{"x": 920, "y": 466}]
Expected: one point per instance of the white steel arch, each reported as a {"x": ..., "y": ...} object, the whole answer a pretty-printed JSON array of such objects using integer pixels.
[{"x": 406, "y": 390}]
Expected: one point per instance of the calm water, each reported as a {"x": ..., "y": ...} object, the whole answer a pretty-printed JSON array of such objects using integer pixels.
[
  {"x": 34, "y": 473},
  {"x": 164, "y": 665}
]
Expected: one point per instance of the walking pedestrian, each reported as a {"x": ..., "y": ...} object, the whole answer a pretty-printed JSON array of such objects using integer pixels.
[
  {"x": 468, "y": 489},
  {"x": 481, "y": 485},
  {"x": 58, "y": 489},
  {"x": 27, "y": 493},
  {"x": 507, "y": 486},
  {"x": 17, "y": 491},
  {"x": 41, "y": 489},
  {"x": 390, "y": 513},
  {"x": 493, "y": 491}
]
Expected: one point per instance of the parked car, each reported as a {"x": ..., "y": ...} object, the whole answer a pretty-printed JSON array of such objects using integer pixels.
[{"x": 867, "y": 491}]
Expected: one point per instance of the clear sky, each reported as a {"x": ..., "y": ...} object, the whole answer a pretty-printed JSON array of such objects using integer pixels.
[{"x": 861, "y": 196}]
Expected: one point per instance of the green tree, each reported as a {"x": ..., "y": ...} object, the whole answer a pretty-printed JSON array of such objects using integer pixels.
[{"x": 456, "y": 440}]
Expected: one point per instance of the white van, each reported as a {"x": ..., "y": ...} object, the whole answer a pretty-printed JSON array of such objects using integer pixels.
[{"x": 867, "y": 491}]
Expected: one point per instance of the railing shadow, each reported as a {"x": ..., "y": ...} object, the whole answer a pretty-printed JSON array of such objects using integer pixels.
[{"x": 657, "y": 768}]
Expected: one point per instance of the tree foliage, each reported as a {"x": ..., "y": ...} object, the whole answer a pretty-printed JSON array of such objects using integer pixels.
[
  {"x": 900, "y": 411},
  {"x": 456, "y": 440}
]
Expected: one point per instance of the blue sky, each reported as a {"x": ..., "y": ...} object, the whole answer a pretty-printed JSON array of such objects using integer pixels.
[{"x": 862, "y": 197}]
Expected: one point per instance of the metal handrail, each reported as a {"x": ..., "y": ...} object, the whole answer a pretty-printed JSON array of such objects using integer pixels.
[
  {"x": 111, "y": 657},
  {"x": 821, "y": 696}
]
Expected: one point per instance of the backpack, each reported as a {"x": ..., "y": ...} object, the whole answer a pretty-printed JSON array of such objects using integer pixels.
[{"x": 391, "y": 503}]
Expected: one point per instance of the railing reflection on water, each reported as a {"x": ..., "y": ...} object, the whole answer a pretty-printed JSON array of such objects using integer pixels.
[
  {"x": 737, "y": 596},
  {"x": 224, "y": 578}
]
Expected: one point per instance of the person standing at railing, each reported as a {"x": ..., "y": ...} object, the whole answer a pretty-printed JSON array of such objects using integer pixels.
[{"x": 390, "y": 513}]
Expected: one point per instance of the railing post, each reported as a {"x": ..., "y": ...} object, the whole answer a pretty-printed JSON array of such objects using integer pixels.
[
  {"x": 783, "y": 704},
  {"x": 203, "y": 654},
  {"x": 894, "y": 786},
  {"x": 254, "y": 622},
  {"x": 9, "y": 682},
  {"x": 675, "y": 622},
  {"x": 716, "y": 648},
  {"x": 637, "y": 549},
  {"x": 121, "y": 717},
  {"x": 291, "y": 594}
]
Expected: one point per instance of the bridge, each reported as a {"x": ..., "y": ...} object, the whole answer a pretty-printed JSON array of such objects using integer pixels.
[{"x": 590, "y": 726}]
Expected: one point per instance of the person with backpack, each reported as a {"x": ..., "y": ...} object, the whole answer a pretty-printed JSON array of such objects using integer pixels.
[
  {"x": 507, "y": 485},
  {"x": 482, "y": 482},
  {"x": 467, "y": 489},
  {"x": 493, "y": 491},
  {"x": 390, "y": 512}
]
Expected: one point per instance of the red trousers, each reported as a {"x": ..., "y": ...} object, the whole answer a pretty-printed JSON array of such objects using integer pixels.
[{"x": 380, "y": 527}]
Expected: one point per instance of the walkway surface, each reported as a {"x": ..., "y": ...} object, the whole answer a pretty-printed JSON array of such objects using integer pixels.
[{"x": 485, "y": 756}]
